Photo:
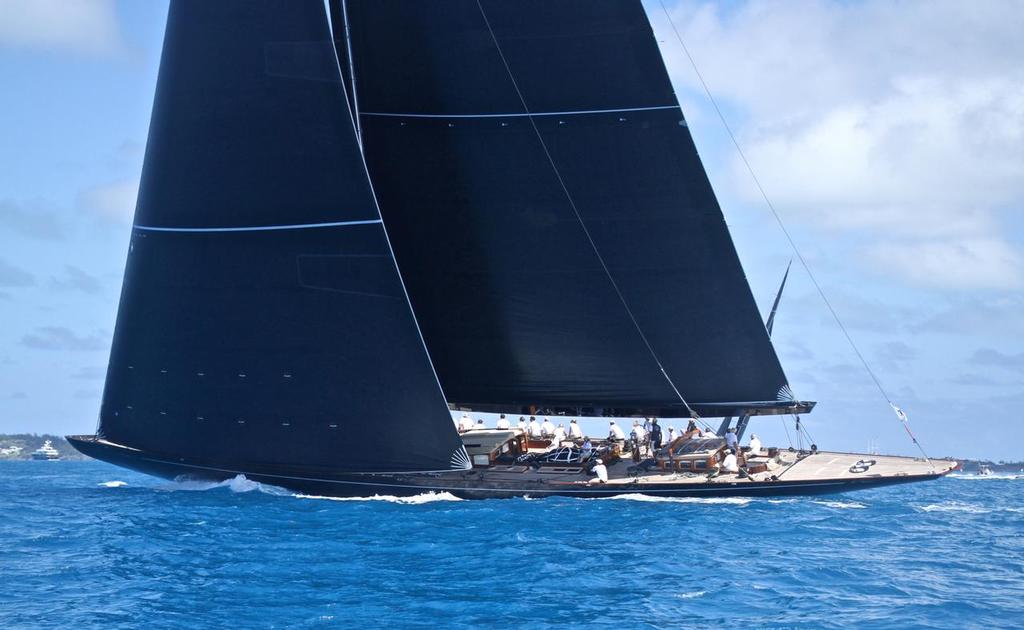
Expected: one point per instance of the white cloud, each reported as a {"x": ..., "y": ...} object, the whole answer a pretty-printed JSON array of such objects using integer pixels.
[
  {"x": 999, "y": 316},
  {"x": 114, "y": 201},
  {"x": 12, "y": 276},
  {"x": 75, "y": 279},
  {"x": 900, "y": 122},
  {"x": 62, "y": 338},
  {"x": 82, "y": 26},
  {"x": 964, "y": 263},
  {"x": 32, "y": 219}
]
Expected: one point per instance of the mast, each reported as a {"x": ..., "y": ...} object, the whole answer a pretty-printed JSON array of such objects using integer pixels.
[{"x": 769, "y": 324}]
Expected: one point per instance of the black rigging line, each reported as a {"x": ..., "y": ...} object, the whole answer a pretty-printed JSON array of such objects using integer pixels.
[{"x": 792, "y": 243}]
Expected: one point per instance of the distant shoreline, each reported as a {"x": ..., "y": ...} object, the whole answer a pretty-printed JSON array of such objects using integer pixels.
[{"x": 19, "y": 446}]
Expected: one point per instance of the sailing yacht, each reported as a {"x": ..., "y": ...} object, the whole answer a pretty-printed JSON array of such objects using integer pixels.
[{"x": 356, "y": 215}]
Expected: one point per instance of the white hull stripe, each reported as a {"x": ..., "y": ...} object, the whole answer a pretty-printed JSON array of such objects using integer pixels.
[
  {"x": 522, "y": 114},
  {"x": 257, "y": 228}
]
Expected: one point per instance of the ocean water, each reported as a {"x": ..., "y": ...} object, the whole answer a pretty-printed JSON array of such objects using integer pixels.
[{"x": 85, "y": 544}]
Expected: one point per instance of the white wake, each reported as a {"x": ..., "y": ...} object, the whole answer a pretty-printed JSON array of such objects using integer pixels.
[
  {"x": 700, "y": 500},
  {"x": 238, "y": 484},
  {"x": 973, "y": 477},
  {"x": 419, "y": 499}
]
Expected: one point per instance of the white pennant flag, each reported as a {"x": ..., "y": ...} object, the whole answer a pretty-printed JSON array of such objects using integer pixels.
[{"x": 899, "y": 412}]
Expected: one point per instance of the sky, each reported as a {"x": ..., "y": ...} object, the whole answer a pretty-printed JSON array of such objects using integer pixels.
[{"x": 889, "y": 136}]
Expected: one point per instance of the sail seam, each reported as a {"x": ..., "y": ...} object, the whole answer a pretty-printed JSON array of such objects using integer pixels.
[
  {"x": 522, "y": 115},
  {"x": 257, "y": 228}
]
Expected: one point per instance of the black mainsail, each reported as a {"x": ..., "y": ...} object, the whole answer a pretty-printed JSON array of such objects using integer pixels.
[
  {"x": 513, "y": 299},
  {"x": 262, "y": 319}
]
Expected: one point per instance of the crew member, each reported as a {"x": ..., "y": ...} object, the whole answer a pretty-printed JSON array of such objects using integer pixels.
[
  {"x": 522, "y": 423},
  {"x": 547, "y": 429},
  {"x": 574, "y": 430},
  {"x": 730, "y": 438},
  {"x": 586, "y": 449},
  {"x": 639, "y": 432},
  {"x": 639, "y": 437},
  {"x": 503, "y": 422},
  {"x": 655, "y": 433},
  {"x": 672, "y": 434},
  {"x": 480, "y": 424},
  {"x": 755, "y": 444},
  {"x": 615, "y": 432},
  {"x": 465, "y": 423},
  {"x": 559, "y": 436},
  {"x": 601, "y": 471},
  {"x": 729, "y": 463},
  {"x": 534, "y": 427}
]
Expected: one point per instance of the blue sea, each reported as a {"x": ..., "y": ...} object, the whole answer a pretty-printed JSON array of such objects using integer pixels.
[{"x": 85, "y": 544}]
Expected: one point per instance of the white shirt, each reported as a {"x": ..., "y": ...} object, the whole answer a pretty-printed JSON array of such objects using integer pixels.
[
  {"x": 559, "y": 434},
  {"x": 729, "y": 464},
  {"x": 602, "y": 472},
  {"x": 671, "y": 435},
  {"x": 534, "y": 428},
  {"x": 575, "y": 431},
  {"x": 522, "y": 424},
  {"x": 755, "y": 445},
  {"x": 641, "y": 433},
  {"x": 547, "y": 428},
  {"x": 465, "y": 423},
  {"x": 503, "y": 423},
  {"x": 615, "y": 432}
]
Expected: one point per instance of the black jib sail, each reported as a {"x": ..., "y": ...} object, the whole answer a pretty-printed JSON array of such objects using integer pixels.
[
  {"x": 549, "y": 209},
  {"x": 262, "y": 321}
]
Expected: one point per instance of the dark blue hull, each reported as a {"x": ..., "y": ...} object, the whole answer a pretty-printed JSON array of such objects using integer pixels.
[{"x": 472, "y": 485}]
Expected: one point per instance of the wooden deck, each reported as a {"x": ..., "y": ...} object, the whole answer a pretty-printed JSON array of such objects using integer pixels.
[{"x": 790, "y": 467}]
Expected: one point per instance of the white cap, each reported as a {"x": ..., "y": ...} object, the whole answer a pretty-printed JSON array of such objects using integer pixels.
[{"x": 599, "y": 461}]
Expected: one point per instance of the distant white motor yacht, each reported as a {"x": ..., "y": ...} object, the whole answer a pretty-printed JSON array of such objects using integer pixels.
[{"x": 46, "y": 451}]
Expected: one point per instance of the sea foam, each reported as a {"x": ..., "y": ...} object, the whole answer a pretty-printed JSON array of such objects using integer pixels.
[
  {"x": 419, "y": 499},
  {"x": 238, "y": 484},
  {"x": 700, "y": 500}
]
